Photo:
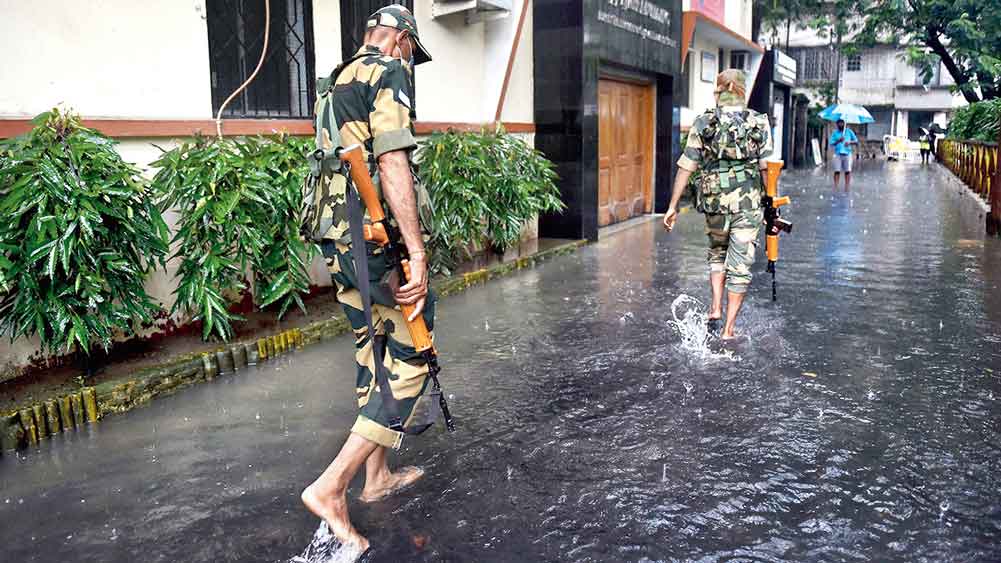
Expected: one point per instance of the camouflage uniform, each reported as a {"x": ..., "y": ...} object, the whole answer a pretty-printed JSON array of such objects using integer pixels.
[
  {"x": 727, "y": 145},
  {"x": 373, "y": 103}
]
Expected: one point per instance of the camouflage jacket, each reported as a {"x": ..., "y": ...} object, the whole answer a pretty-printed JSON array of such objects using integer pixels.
[
  {"x": 727, "y": 145},
  {"x": 373, "y": 105}
]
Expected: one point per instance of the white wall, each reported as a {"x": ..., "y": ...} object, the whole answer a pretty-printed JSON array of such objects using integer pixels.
[
  {"x": 738, "y": 17},
  {"x": 115, "y": 58},
  {"x": 874, "y": 82},
  {"x": 700, "y": 94}
]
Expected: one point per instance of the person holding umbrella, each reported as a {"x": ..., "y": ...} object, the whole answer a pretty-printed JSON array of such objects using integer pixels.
[{"x": 843, "y": 138}]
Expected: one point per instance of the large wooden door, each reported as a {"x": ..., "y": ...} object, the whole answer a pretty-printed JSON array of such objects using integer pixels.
[{"x": 625, "y": 150}]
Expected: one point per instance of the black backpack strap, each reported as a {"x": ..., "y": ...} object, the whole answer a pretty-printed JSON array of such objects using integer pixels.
[{"x": 360, "y": 254}]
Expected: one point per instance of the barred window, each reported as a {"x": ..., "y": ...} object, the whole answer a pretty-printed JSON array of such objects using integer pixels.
[
  {"x": 854, "y": 63},
  {"x": 354, "y": 14},
  {"x": 284, "y": 86},
  {"x": 817, "y": 63}
]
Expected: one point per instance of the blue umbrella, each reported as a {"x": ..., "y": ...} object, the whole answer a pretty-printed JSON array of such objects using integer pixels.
[{"x": 850, "y": 113}]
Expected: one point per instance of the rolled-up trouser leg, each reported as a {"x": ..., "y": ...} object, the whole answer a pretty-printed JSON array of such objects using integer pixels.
[
  {"x": 743, "y": 235},
  {"x": 408, "y": 373},
  {"x": 718, "y": 231}
]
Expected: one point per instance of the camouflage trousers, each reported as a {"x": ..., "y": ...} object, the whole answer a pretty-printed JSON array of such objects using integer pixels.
[
  {"x": 732, "y": 242},
  {"x": 408, "y": 373}
]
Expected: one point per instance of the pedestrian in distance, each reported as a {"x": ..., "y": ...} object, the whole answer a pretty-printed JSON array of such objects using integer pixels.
[
  {"x": 371, "y": 97},
  {"x": 729, "y": 144},
  {"x": 842, "y": 140},
  {"x": 925, "y": 142}
]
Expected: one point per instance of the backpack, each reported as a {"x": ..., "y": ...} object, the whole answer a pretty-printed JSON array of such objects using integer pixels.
[
  {"x": 326, "y": 178},
  {"x": 733, "y": 136}
]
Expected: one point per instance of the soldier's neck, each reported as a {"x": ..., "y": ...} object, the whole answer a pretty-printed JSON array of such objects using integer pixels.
[{"x": 731, "y": 109}]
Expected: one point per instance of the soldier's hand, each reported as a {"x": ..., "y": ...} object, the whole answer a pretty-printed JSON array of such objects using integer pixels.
[
  {"x": 416, "y": 290},
  {"x": 670, "y": 218}
]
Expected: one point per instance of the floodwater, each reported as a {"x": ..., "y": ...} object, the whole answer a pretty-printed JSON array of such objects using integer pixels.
[{"x": 858, "y": 422}]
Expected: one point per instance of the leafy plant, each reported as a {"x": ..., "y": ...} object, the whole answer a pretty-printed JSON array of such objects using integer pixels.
[
  {"x": 238, "y": 203},
  {"x": 484, "y": 187},
  {"x": 979, "y": 122},
  {"x": 79, "y": 232}
]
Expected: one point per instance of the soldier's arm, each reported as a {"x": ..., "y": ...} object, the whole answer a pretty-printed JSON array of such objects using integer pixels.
[
  {"x": 392, "y": 141},
  {"x": 687, "y": 164}
]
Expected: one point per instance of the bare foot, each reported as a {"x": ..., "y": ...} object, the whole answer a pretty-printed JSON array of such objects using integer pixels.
[
  {"x": 334, "y": 511},
  {"x": 394, "y": 483}
]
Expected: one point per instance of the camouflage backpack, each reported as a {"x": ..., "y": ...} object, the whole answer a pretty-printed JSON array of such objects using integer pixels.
[
  {"x": 733, "y": 143},
  {"x": 326, "y": 180}
]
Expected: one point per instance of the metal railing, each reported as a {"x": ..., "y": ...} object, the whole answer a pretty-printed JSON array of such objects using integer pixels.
[{"x": 977, "y": 165}]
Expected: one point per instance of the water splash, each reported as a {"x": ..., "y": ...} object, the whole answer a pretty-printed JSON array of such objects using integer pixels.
[
  {"x": 691, "y": 318},
  {"x": 325, "y": 548}
]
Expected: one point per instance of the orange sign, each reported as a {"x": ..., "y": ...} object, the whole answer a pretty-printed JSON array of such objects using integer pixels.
[{"x": 715, "y": 9}]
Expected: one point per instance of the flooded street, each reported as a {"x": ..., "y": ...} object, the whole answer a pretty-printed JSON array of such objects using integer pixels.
[{"x": 860, "y": 421}]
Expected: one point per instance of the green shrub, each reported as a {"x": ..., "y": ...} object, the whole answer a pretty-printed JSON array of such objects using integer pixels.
[
  {"x": 239, "y": 203},
  {"x": 980, "y": 121},
  {"x": 79, "y": 233},
  {"x": 484, "y": 187}
]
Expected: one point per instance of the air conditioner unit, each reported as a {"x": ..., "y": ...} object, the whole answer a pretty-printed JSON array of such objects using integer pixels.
[{"x": 475, "y": 10}]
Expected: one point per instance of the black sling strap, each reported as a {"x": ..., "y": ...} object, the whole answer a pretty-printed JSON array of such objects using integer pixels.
[{"x": 360, "y": 255}]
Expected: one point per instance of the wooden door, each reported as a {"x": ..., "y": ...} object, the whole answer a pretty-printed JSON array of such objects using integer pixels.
[{"x": 625, "y": 150}]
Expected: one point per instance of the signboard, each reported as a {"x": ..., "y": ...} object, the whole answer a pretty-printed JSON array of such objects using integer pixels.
[
  {"x": 714, "y": 9},
  {"x": 817, "y": 159},
  {"x": 639, "y": 33},
  {"x": 784, "y": 71}
]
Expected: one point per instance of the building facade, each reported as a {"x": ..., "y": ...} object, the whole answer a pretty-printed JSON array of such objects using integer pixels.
[{"x": 878, "y": 78}]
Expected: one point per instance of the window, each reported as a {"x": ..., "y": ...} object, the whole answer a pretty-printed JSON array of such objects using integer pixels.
[
  {"x": 815, "y": 63},
  {"x": 284, "y": 86},
  {"x": 738, "y": 59},
  {"x": 354, "y": 14},
  {"x": 854, "y": 63},
  {"x": 721, "y": 58}
]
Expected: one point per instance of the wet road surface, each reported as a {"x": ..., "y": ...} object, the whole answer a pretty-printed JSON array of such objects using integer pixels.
[{"x": 861, "y": 422}]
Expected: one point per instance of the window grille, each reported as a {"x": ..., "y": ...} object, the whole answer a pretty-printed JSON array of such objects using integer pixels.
[
  {"x": 815, "y": 63},
  {"x": 738, "y": 59},
  {"x": 854, "y": 63},
  {"x": 354, "y": 14},
  {"x": 284, "y": 86}
]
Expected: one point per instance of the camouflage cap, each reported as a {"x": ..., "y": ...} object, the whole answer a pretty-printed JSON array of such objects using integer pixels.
[
  {"x": 401, "y": 18},
  {"x": 730, "y": 86}
]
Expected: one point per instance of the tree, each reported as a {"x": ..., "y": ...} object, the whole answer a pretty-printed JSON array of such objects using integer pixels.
[{"x": 964, "y": 35}]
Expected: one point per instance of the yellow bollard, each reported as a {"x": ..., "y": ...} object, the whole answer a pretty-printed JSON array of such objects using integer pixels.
[
  {"x": 52, "y": 417},
  {"x": 66, "y": 413},
  {"x": 90, "y": 404},
  {"x": 28, "y": 422},
  {"x": 262, "y": 349},
  {"x": 39, "y": 414},
  {"x": 77, "y": 400}
]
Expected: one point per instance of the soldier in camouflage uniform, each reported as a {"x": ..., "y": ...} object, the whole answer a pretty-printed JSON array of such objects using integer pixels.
[
  {"x": 728, "y": 144},
  {"x": 373, "y": 101}
]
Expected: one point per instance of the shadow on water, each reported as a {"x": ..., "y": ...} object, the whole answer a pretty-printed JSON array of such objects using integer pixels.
[{"x": 858, "y": 422}]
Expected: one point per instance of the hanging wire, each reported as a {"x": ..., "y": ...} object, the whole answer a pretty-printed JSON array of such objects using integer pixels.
[{"x": 260, "y": 63}]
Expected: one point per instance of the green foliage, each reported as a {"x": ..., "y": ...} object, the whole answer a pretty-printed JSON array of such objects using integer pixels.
[
  {"x": 238, "y": 203},
  {"x": 965, "y": 35},
  {"x": 978, "y": 122},
  {"x": 484, "y": 186},
  {"x": 79, "y": 232}
]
